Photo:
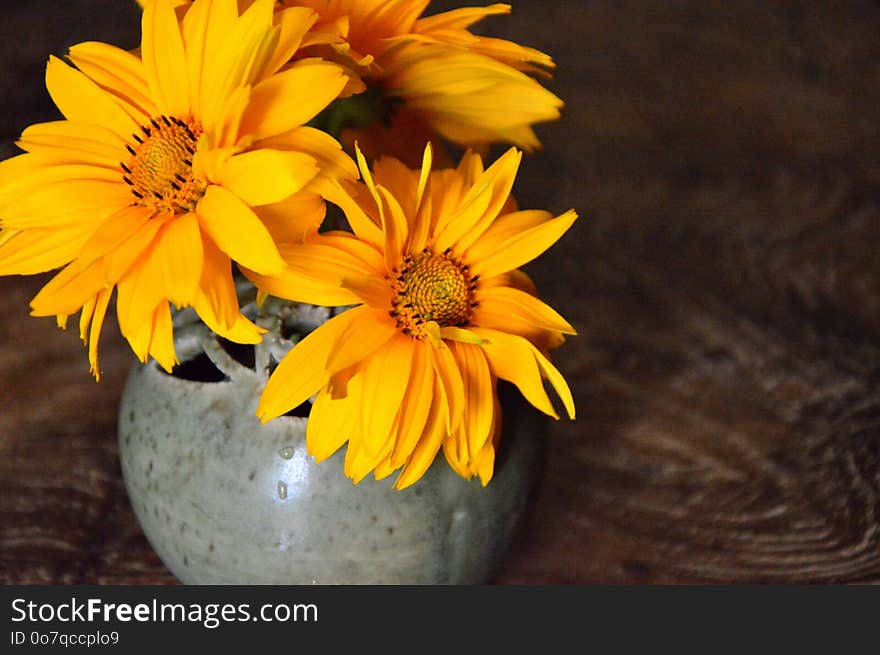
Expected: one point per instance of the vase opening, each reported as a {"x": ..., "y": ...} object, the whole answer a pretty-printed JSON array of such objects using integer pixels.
[{"x": 198, "y": 369}]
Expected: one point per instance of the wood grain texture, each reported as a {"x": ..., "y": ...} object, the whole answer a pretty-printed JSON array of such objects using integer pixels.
[{"x": 723, "y": 279}]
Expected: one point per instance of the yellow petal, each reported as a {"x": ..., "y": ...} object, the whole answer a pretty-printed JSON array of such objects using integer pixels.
[
  {"x": 238, "y": 231},
  {"x": 470, "y": 98},
  {"x": 359, "y": 461},
  {"x": 37, "y": 172},
  {"x": 208, "y": 162},
  {"x": 371, "y": 258},
  {"x": 139, "y": 293},
  {"x": 398, "y": 16},
  {"x": 216, "y": 302},
  {"x": 162, "y": 339},
  {"x": 424, "y": 175},
  {"x": 513, "y": 54},
  {"x": 399, "y": 180},
  {"x": 446, "y": 190},
  {"x": 396, "y": 228},
  {"x": 37, "y": 251},
  {"x": 389, "y": 239},
  {"x": 227, "y": 121},
  {"x": 504, "y": 228},
  {"x": 559, "y": 384},
  {"x": 370, "y": 331},
  {"x": 112, "y": 233},
  {"x": 360, "y": 221},
  {"x": 451, "y": 27},
  {"x": 138, "y": 336},
  {"x": 315, "y": 269},
  {"x": 515, "y": 359},
  {"x": 293, "y": 219},
  {"x": 471, "y": 168},
  {"x": 292, "y": 98},
  {"x": 429, "y": 444},
  {"x": 332, "y": 159},
  {"x": 241, "y": 330},
  {"x": 367, "y": 177},
  {"x": 332, "y": 420},
  {"x": 481, "y": 205},
  {"x": 327, "y": 260},
  {"x": 479, "y": 393},
  {"x": 265, "y": 49},
  {"x": 511, "y": 358},
  {"x": 265, "y": 176},
  {"x": 80, "y": 99},
  {"x": 164, "y": 58},
  {"x": 119, "y": 72},
  {"x": 386, "y": 376},
  {"x": 102, "y": 300},
  {"x": 502, "y": 174},
  {"x": 154, "y": 336},
  {"x": 180, "y": 255},
  {"x": 453, "y": 225},
  {"x": 231, "y": 46},
  {"x": 66, "y": 203},
  {"x": 302, "y": 372},
  {"x": 384, "y": 468},
  {"x": 12, "y": 170},
  {"x": 485, "y": 463},
  {"x": 207, "y": 40},
  {"x": 195, "y": 30},
  {"x": 372, "y": 290},
  {"x": 118, "y": 260},
  {"x": 499, "y": 306},
  {"x": 75, "y": 143},
  {"x": 299, "y": 287},
  {"x": 414, "y": 411},
  {"x": 85, "y": 317},
  {"x": 293, "y": 24},
  {"x": 463, "y": 335},
  {"x": 458, "y": 19},
  {"x": 455, "y": 449},
  {"x": 524, "y": 247},
  {"x": 68, "y": 291},
  {"x": 422, "y": 224},
  {"x": 449, "y": 376},
  {"x": 515, "y": 278}
]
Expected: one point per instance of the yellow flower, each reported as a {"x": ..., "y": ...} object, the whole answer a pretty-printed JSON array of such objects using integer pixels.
[
  {"x": 442, "y": 313},
  {"x": 469, "y": 89},
  {"x": 169, "y": 165}
]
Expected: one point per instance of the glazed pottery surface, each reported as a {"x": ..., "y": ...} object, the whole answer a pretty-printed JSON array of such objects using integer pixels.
[{"x": 225, "y": 500}]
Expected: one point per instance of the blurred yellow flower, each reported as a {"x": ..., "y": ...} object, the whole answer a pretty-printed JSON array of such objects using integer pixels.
[
  {"x": 435, "y": 76},
  {"x": 442, "y": 313},
  {"x": 169, "y": 165}
]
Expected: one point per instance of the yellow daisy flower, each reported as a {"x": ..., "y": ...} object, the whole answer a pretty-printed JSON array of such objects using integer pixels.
[
  {"x": 170, "y": 164},
  {"x": 441, "y": 313}
]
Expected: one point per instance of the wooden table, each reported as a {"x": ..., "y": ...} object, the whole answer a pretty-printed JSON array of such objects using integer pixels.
[{"x": 724, "y": 279}]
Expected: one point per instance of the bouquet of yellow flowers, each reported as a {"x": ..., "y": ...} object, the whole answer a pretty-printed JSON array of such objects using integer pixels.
[{"x": 213, "y": 152}]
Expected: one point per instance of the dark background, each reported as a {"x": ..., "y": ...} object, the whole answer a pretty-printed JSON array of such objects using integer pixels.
[{"x": 723, "y": 277}]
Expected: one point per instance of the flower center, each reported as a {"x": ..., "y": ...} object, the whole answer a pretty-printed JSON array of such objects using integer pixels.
[
  {"x": 432, "y": 287},
  {"x": 160, "y": 171}
]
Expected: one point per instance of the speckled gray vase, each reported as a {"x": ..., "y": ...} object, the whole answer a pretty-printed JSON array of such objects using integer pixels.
[{"x": 225, "y": 500}]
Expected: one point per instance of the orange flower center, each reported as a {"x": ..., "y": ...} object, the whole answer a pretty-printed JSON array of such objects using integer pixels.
[
  {"x": 160, "y": 171},
  {"x": 432, "y": 287}
]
